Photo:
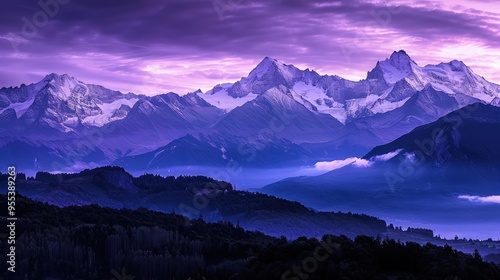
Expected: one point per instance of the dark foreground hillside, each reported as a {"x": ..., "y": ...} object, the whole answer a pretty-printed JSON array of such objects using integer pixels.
[
  {"x": 93, "y": 242},
  {"x": 194, "y": 197}
]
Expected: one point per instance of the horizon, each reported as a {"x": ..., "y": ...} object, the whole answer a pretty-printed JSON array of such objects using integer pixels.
[
  {"x": 231, "y": 82},
  {"x": 173, "y": 46}
]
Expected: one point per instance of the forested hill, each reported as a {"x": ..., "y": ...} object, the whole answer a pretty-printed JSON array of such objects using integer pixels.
[
  {"x": 93, "y": 242},
  {"x": 194, "y": 196}
]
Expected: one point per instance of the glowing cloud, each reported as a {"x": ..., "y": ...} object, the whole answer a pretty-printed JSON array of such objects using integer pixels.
[
  {"x": 336, "y": 164},
  {"x": 386, "y": 157},
  {"x": 481, "y": 199},
  {"x": 354, "y": 161}
]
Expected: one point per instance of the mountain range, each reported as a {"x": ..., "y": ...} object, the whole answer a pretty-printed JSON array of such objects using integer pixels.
[{"x": 277, "y": 116}]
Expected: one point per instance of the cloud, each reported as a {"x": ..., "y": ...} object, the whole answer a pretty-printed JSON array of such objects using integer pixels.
[
  {"x": 344, "y": 37},
  {"x": 386, "y": 157},
  {"x": 336, "y": 164},
  {"x": 354, "y": 161},
  {"x": 481, "y": 199}
]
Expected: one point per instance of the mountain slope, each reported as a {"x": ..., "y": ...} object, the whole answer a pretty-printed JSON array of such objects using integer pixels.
[
  {"x": 445, "y": 173},
  {"x": 469, "y": 135},
  {"x": 113, "y": 187},
  {"x": 276, "y": 112},
  {"x": 466, "y": 139}
]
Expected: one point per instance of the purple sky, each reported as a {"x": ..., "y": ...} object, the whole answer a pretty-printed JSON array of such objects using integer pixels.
[{"x": 155, "y": 46}]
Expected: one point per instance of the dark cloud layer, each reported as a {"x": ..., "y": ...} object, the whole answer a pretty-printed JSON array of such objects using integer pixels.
[{"x": 151, "y": 45}]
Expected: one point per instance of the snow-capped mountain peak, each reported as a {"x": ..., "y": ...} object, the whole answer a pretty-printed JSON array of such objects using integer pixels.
[
  {"x": 401, "y": 60},
  {"x": 64, "y": 86},
  {"x": 56, "y": 77},
  {"x": 64, "y": 103},
  {"x": 269, "y": 73},
  {"x": 266, "y": 65},
  {"x": 272, "y": 68},
  {"x": 395, "y": 68}
]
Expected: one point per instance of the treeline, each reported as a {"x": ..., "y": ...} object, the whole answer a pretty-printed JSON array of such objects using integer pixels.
[
  {"x": 338, "y": 257},
  {"x": 159, "y": 183},
  {"x": 277, "y": 216},
  {"x": 4, "y": 176},
  {"x": 420, "y": 231},
  {"x": 150, "y": 182},
  {"x": 92, "y": 242},
  {"x": 195, "y": 196}
]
